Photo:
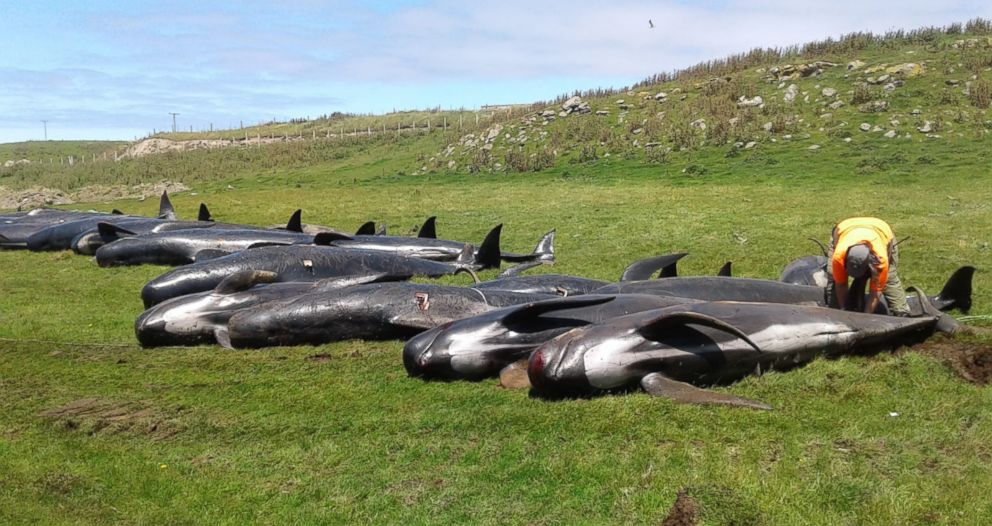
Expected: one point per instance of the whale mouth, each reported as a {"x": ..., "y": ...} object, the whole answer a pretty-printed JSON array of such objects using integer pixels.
[
  {"x": 417, "y": 354},
  {"x": 535, "y": 370}
]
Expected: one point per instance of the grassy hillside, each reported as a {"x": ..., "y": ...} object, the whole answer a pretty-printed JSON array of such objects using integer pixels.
[
  {"x": 907, "y": 89},
  {"x": 97, "y": 430},
  {"x": 57, "y": 152}
]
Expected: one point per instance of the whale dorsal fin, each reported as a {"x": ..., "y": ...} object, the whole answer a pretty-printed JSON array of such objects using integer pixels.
[
  {"x": 295, "y": 223},
  {"x": 165, "y": 209},
  {"x": 204, "y": 214},
  {"x": 429, "y": 228},
  {"x": 642, "y": 269},
  {"x": 367, "y": 229}
]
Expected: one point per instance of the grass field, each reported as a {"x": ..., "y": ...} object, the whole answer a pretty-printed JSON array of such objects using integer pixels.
[
  {"x": 107, "y": 432},
  {"x": 95, "y": 430}
]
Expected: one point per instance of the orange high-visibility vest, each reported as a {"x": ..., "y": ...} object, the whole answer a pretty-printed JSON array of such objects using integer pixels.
[{"x": 877, "y": 234}]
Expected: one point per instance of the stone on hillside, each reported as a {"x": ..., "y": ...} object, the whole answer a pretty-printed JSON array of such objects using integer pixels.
[
  {"x": 855, "y": 64},
  {"x": 767, "y": 126},
  {"x": 563, "y": 113},
  {"x": 952, "y": 82},
  {"x": 790, "y": 93},
  {"x": 837, "y": 104},
  {"x": 871, "y": 80},
  {"x": 660, "y": 96},
  {"x": 874, "y": 106},
  {"x": 547, "y": 114},
  {"x": 883, "y": 78},
  {"x": 494, "y": 132},
  {"x": 745, "y": 102},
  {"x": 876, "y": 128},
  {"x": 699, "y": 124},
  {"x": 814, "y": 147},
  {"x": 571, "y": 104},
  {"x": 829, "y": 92},
  {"x": 891, "y": 134},
  {"x": 583, "y": 108},
  {"x": 864, "y": 127},
  {"x": 916, "y": 111},
  {"x": 907, "y": 70},
  {"x": 749, "y": 145},
  {"x": 890, "y": 87},
  {"x": 602, "y": 112},
  {"x": 926, "y": 128}
]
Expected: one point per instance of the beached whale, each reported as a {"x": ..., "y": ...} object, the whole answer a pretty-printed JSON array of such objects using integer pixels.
[{"x": 669, "y": 352}]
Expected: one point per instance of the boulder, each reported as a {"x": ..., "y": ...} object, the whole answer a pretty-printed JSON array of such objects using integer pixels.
[
  {"x": 571, "y": 104},
  {"x": 855, "y": 64},
  {"x": 790, "y": 93},
  {"x": 745, "y": 102},
  {"x": 837, "y": 104},
  {"x": 829, "y": 92},
  {"x": 926, "y": 128},
  {"x": 874, "y": 106},
  {"x": 907, "y": 70},
  {"x": 864, "y": 127}
]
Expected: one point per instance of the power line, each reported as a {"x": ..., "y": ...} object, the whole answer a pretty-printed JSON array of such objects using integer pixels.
[
  {"x": 45, "y": 123},
  {"x": 173, "y": 121}
]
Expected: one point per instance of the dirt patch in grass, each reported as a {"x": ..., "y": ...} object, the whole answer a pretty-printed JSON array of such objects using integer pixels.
[
  {"x": 970, "y": 360},
  {"x": 320, "y": 358},
  {"x": 93, "y": 415},
  {"x": 685, "y": 511},
  {"x": 40, "y": 196}
]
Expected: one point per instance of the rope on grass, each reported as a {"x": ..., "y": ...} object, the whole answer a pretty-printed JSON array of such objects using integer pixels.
[{"x": 987, "y": 317}]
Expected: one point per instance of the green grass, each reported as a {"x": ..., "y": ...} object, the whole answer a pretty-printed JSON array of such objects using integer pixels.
[
  {"x": 273, "y": 437},
  {"x": 205, "y": 435}
]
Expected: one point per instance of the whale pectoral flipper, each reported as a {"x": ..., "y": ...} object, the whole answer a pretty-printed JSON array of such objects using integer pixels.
[
  {"x": 223, "y": 337},
  {"x": 658, "y": 384},
  {"x": 666, "y": 321},
  {"x": 514, "y": 376}
]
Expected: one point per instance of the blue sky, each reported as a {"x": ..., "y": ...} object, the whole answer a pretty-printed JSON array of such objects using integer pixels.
[{"x": 114, "y": 70}]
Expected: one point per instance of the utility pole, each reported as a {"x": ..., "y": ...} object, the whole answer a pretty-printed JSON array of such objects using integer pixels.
[
  {"x": 173, "y": 121},
  {"x": 45, "y": 123}
]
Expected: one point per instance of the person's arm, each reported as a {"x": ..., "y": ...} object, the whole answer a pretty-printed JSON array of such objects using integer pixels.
[
  {"x": 840, "y": 288},
  {"x": 874, "y": 298},
  {"x": 875, "y": 290}
]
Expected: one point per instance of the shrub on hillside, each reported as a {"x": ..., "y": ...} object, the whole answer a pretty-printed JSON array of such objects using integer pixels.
[{"x": 980, "y": 94}]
